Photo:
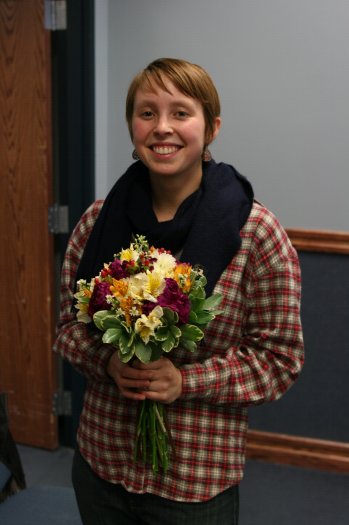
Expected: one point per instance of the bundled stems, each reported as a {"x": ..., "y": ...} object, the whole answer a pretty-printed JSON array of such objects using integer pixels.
[{"x": 152, "y": 442}]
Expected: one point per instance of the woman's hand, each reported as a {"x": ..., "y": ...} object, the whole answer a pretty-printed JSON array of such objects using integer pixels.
[
  {"x": 165, "y": 380},
  {"x": 158, "y": 381}
]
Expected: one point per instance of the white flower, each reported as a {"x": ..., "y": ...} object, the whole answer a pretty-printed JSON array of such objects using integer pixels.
[
  {"x": 145, "y": 326},
  {"x": 136, "y": 285},
  {"x": 165, "y": 264},
  {"x": 82, "y": 315}
]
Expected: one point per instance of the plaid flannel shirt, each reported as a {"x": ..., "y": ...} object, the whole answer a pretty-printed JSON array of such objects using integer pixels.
[{"x": 251, "y": 353}]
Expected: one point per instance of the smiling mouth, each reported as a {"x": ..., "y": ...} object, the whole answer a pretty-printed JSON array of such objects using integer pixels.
[{"x": 165, "y": 150}]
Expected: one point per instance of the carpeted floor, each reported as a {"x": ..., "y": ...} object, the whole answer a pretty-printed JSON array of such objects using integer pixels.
[
  {"x": 282, "y": 495},
  {"x": 43, "y": 467},
  {"x": 269, "y": 494}
]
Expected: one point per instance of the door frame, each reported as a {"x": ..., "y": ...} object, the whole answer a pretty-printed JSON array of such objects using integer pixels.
[{"x": 73, "y": 78}]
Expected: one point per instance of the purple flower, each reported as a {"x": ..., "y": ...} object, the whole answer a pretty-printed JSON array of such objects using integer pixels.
[
  {"x": 173, "y": 297},
  {"x": 98, "y": 298},
  {"x": 148, "y": 307},
  {"x": 117, "y": 270}
]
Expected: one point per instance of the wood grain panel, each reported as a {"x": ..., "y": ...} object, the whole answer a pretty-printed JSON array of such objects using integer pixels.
[
  {"x": 27, "y": 371},
  {"x": 298, "y": 451},
  {"x": 319, "y": 240}
]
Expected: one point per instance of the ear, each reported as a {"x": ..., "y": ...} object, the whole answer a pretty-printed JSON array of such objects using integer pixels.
[{"x": 217, "y": 127}]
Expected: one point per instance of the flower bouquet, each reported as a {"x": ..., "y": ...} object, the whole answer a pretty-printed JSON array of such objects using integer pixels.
[{"x": 147, "y": 303}]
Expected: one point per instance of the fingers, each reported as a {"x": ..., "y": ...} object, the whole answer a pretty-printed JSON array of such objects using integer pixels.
[
  {"x": 158, "y": 381},
  {"x": 152, "y": 365},
  {"x": 130, "y": 382},
  {"x": 166, "y": 384}
]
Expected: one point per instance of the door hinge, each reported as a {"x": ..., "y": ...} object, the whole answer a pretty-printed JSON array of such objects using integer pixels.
[
  {"x": 62, "y": 403},
  {"x": 58, "y": 219},
  {"x": 55, "y": 15}
]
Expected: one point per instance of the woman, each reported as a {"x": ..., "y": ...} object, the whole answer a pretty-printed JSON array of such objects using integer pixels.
[{"x": 252, "y": 353}]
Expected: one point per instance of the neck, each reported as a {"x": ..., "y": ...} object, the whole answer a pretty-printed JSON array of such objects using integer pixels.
[{"x": 168, "y": 194}]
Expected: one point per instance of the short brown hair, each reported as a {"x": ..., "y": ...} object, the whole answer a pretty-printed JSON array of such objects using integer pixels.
[{"x": 192, "y": 80}]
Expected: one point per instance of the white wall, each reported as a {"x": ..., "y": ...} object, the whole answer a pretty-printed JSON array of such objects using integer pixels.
[{"x": 282, "y": 70}]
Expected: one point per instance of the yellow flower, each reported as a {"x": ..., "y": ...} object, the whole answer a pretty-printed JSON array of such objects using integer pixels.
[
  {"x": 145, "y": 326},
  {"x": 146, "y": 286},
  {"x": 82, "y": 315},
  {"x": 129, "y": 254},
  {"x": 154, "y": 286}
]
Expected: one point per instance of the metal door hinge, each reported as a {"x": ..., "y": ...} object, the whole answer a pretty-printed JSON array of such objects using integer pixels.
[
  {"x": 58, "y": 219},
  {"x": 62, "y": 403},
  {"x": 55, "y": 15}
]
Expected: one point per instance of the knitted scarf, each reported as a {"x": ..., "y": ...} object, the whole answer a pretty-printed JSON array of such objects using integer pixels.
[{"x": 206, "y": 227}]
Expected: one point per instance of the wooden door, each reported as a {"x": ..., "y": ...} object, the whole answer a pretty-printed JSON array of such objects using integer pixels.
[{"x": 27, "y": 366}]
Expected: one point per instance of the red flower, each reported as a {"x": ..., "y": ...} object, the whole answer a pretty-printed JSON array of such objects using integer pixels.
[
  {"x": 117, "y": 270},
  {"x": 98, "y": 299},
  {"x": 173, "y": 297}
]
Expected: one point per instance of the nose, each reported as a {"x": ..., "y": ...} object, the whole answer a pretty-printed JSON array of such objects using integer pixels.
[{"x": 162, "y": 125}]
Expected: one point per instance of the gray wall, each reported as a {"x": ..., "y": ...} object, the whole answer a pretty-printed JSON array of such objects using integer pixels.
[{"x": 282, "y": 70}]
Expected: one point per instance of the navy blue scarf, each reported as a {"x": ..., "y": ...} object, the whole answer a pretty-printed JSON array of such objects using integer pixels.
[{"x": 206, "y": 226}]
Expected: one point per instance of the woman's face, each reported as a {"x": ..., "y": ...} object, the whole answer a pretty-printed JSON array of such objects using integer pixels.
[{"x": 169, "y": 132}]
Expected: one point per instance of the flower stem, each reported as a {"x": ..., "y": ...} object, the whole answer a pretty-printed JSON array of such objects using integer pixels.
[{"x": 152, "y": 436}]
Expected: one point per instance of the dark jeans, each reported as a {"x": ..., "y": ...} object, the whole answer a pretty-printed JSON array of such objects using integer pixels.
[{"x": 102, "y": 503}]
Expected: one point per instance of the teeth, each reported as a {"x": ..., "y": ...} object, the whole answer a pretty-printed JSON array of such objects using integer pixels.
[{"x": 165, "y": 150}]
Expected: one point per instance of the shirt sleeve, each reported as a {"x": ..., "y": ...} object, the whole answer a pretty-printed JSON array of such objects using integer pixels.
[
  {"x": 266, "y": 354},
  {"x": 77, "y": 342}
]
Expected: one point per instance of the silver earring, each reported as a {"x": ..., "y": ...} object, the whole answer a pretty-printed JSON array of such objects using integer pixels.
[
  {"x": 135, "y": 155},
  {"x": 206, "y": 155}
]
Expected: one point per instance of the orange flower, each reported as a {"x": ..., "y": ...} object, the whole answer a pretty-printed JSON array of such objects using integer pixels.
[
  {"x": 182, "y": 276},
  {"x": 126, "y": 305},
  {"x": 119, "y": 288}
]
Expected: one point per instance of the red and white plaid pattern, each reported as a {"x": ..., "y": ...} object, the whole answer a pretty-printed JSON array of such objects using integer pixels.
[{"x": 252, "y": 353}]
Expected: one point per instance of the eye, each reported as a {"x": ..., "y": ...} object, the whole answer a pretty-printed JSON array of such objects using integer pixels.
[
  {"x": 181, "y": 113},
  {"x": 147, "y": 114}
]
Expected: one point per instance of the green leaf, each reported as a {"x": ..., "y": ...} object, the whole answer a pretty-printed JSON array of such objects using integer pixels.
[
  {"x": 213, "y": 301},
  {"x": 204, "y": 317},
  {"x": 193, "y": 317},
  {"x": 197, "y": 293},
  {"x": 197, "y": 304},
  {"x": 191, "y": 333},
  {"x": 175, "y": 331},
  {"x": 162, "y": 333},
  {"x": 170, "y": 316},
  {"x": 124, "y": 343},
  {"x": 201, "y": 281},
  {"x": 127, "y": 356},
  {"x": 189, "y": 345},
  {"x": 216, "y": 312},
  {"x": 99, "y": 317},
  {"x": 156, "y": 352},
  {"x": 112, "y": 336},
  {"x": 169, "y": 344},
  {"x": 111, "y": 321},
  {"x": 83, "y": 299},
  {"x": 143, "y": 351}
]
